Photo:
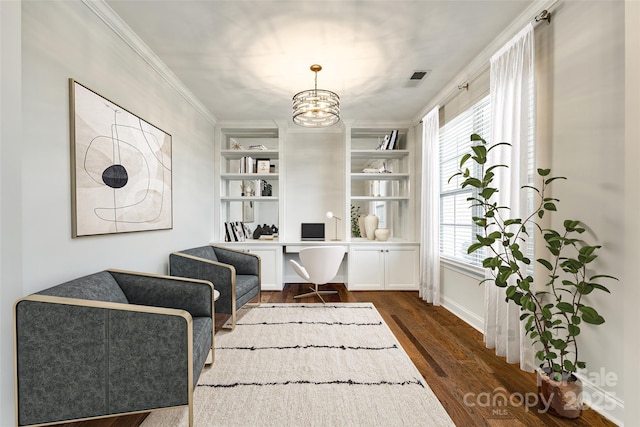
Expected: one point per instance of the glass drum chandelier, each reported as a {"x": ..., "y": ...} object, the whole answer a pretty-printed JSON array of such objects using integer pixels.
[{"x": 316, "y": 107}]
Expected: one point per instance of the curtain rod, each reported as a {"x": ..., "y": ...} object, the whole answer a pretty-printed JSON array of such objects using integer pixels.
[
  {"x": 481, "y": 62},
  {"x": 545, "y": 15}
]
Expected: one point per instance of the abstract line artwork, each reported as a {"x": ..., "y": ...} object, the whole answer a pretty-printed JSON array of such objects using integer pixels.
[{"x": 121, "y": 168}]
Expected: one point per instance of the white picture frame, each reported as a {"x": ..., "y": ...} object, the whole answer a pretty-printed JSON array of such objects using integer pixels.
[
  {"x": 115, "y": 154},
  {"x": 263, "y": 166}
]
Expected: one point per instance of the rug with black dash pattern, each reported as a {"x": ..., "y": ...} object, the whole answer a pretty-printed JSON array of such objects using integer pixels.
[{"x": 337, "y": 364}]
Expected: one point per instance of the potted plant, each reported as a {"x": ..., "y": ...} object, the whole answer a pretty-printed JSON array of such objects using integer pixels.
[
  {"x": 553, "y": 308},
  {"x": 355, "y": 221}
]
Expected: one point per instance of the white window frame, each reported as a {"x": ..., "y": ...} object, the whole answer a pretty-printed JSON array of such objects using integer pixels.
[{"x": 457, "y": 229}]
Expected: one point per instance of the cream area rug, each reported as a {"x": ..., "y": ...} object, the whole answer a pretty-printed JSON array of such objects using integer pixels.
[{"x": 309, "y": 365}]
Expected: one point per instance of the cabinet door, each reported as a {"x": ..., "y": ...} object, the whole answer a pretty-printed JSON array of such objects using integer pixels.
[
  {"x": 401, "y": 268},
  {"x": 366, "y": 269},
  {"x": 271, "y": 265}
]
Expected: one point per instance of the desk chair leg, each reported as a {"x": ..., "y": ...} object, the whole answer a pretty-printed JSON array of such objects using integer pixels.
[{"x": 317, "y": 293}]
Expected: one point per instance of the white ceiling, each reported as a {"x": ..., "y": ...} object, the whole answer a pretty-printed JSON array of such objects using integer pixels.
[{"x": 244, "y": 60}]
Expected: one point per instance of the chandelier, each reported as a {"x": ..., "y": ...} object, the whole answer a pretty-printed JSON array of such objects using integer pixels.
[{"x": 316, "y": 107}]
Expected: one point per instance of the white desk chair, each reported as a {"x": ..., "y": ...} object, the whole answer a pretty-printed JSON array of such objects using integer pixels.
[{"x": 319, "y": 265}]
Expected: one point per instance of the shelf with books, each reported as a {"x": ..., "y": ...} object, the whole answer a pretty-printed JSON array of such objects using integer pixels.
[
  {"x": 379, "y": 180},
  {"x": 249, "y": 198},
  {"x": 249, "y": 176},
  {"x": 256, "y": 154},
  {"x": 248, "y": 187}
]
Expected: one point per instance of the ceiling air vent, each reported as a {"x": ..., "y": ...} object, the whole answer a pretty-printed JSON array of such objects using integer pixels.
[{"x": 416, "y": 78}]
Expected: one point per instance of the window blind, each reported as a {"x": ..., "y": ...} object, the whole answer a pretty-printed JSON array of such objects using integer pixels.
[{"x": 457, "y": 230}]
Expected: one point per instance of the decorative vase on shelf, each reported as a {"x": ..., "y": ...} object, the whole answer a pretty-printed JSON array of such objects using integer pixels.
[
  {"x": 361, "y": 228},
  {"x": 382, "y": 234},
  {"x": 370, "y": 225}
]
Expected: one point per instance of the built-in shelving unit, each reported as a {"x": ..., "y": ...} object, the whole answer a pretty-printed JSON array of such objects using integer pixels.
[
  {"x": 379, "y": 181},
  {"x": 374, "y": 180},
  {"x": 242, "y": 193}
]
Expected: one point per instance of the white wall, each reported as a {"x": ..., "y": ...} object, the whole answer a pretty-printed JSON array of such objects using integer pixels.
[
  {"x": 63, "y": 40},
  {"x": 60, "y": 40},
  {"x": 314, "y": 162},
  {"x": 582, "y": 114},
  {"x": 10, "y": 195},
  {"x": 632, "y": 207},
  {"x": 587, "y": 146}
]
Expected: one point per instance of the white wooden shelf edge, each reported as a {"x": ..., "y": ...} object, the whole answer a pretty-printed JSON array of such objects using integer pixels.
[
  {"x": 249, "y": 176},
  {"x": 379, "y": 154},
  {"x": 378, "y": 176},
  {"x": 381, "y": 198},
  {"x": 249, "y": 198},
  {"x": 256, "y": 154}
]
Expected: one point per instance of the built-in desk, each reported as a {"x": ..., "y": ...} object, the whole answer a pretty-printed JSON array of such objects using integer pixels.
[
  {"x": 367, "y": 265},
  {"x": 294, "y": 248}
]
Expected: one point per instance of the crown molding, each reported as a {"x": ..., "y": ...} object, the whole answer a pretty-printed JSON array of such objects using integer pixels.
[
  {"x": 113, "y": 21},
  {"x": 481, "y": 61}
]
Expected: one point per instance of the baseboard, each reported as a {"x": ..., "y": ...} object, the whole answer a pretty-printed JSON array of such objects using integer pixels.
[
  {"x": 603, "y": 402},
  {"x": 475, "y": 321}
]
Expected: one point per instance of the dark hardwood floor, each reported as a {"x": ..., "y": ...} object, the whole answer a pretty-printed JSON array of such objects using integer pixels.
[{"x": 451, "y": 356}]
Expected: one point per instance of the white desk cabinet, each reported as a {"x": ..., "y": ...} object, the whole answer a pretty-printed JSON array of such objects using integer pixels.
[
  {"x": 376, "y": 267},
  {"x": 270, "y": 262}
]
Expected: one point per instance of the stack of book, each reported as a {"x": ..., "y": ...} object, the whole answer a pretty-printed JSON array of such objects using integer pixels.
[
  {"x": 390, "y": 142},
  {"x": 236, "y": 232},
  {"x": 247, "y": 164}
]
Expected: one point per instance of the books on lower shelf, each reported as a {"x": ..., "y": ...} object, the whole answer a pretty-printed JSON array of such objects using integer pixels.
[{"x": 236, "y": 231}]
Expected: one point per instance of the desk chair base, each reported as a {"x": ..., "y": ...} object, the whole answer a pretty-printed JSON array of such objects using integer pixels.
[{"x": 316, "y": 292}]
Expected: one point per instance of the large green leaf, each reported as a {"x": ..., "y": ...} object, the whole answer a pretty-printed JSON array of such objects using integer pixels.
[
  {"x": 545, "y": 263},
  {"x": 476, "y": 137},
  {"x": 590, "y": 315},
  {"x": 573, "y": 330},
  {"x": 565, "y": 307},
  {"x": 464, "y": 159},
  {"x": 474, "y": 247},
  {"x": 569, "y": 366},
  {"x": 550, "y": 180}
]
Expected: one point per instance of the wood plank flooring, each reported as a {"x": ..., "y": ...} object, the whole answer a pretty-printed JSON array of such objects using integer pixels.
[{"x": 450, "y": 355}]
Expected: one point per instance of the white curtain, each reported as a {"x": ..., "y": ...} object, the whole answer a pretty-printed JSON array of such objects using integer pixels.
[
  {"x": 512, "y": 120},
  {"x": 430, "y": 209}
]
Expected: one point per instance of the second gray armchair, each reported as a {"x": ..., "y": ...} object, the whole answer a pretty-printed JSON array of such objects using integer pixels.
[{"x": 235, "y": 274}]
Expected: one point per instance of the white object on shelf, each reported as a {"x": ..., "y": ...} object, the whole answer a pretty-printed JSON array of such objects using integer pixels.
[
  {"x": 382, "y": 234},
  {"x": 370, "y": 225}
]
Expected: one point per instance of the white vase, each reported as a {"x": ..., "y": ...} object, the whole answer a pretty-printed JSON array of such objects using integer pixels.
[
  {"x": 382, "y": 234},
  {"x": 370, "y": 225},
  {"x": 361, "y": 226}
]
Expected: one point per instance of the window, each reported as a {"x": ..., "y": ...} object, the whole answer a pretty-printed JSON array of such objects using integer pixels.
[{"x": 457, "y": 230}]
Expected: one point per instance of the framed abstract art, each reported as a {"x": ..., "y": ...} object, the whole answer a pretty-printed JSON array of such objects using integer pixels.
[{"x": 120, "y": 168}]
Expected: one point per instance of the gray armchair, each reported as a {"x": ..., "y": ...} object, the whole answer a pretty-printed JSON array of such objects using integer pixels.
[
  {"x": 235, "y": 274},
  {"x": 111, "y": 343}
]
